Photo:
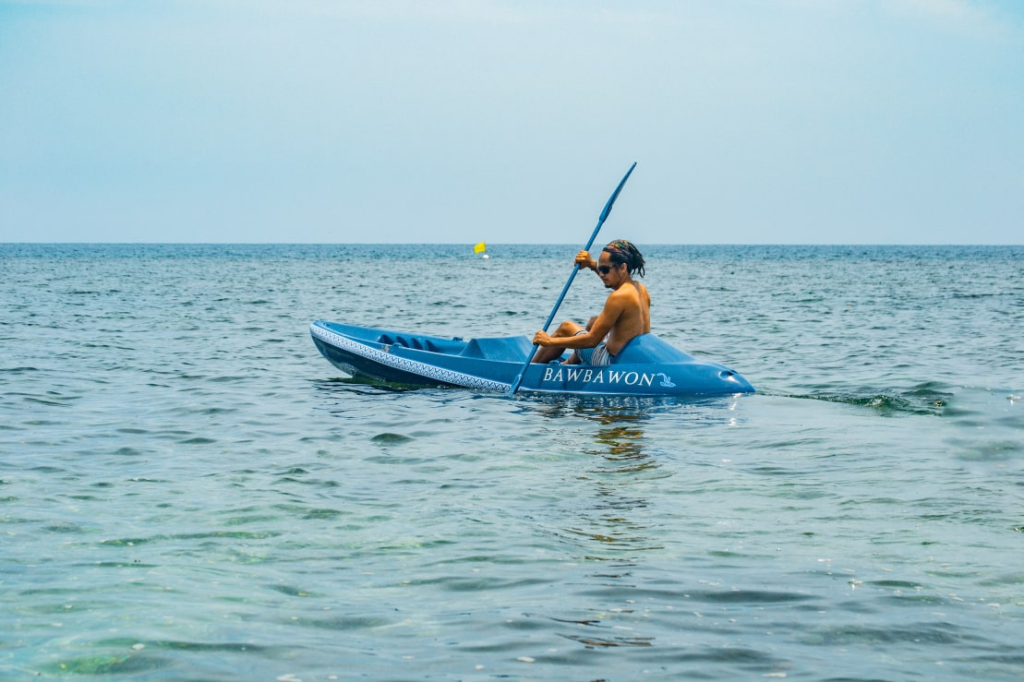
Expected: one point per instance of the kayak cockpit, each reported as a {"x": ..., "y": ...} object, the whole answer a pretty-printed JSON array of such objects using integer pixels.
[{"x": 502, "y": 349}]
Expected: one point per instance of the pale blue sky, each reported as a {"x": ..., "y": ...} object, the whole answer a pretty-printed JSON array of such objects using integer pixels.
[{"x": 793, "y": 121}]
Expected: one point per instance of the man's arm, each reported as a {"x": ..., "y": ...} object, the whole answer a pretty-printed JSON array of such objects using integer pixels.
[{"x": 604, "y": 323}]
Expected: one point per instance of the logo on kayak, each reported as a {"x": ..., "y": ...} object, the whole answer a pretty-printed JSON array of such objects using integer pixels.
[{"x": 602, "y": 376}]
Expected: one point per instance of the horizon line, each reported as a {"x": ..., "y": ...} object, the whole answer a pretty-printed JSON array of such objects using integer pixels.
[{"x": 489, "y": 243}]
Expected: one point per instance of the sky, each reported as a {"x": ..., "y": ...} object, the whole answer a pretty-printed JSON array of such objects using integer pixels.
[{"x": 458, "y": 121}]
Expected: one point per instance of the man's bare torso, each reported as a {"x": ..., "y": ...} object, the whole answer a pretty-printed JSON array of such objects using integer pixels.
[{"x": 633, "y": 304}]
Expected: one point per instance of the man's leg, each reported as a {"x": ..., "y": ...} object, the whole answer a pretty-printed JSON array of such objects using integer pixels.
[{"x": 567, "y": 328}]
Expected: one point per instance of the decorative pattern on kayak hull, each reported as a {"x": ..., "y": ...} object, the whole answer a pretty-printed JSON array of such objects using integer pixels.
[{"x": 421, "y": 369}]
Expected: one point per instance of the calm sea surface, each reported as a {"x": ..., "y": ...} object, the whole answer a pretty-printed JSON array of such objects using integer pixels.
[{"x": 189, "y": 491}]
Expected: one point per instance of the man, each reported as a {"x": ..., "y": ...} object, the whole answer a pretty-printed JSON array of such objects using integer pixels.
[{"x": 626, "y": 313}]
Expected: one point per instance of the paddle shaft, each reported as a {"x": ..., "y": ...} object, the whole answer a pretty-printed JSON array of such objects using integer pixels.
[{"x": 572, "y": 276}]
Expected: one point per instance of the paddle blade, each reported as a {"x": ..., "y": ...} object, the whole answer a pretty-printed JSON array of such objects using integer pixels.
[{"x": 615, "y": 195}]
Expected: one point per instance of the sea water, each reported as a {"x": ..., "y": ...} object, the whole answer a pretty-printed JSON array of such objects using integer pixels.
[{"x": 188, "y": 490}]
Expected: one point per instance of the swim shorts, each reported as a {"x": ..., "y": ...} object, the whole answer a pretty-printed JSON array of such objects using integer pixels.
[{"x": 596, "y": 356}]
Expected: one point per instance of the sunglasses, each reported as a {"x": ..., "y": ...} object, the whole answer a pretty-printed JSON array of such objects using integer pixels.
[{"x": 605, "y": 269}]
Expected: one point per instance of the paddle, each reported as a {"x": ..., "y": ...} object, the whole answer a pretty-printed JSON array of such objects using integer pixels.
[{"x": 576, "y": 268}]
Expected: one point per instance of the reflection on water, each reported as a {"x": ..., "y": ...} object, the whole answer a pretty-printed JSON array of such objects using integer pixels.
[
  {"x": 613, "y": 523},
  {"x": 618, "y": 467},
  {"x": 618, "y": 470}
]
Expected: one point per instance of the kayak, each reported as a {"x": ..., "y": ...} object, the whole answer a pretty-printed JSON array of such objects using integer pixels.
[{"x": 647, "y": 366}]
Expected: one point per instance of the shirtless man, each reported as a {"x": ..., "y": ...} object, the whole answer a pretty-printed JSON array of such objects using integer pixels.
[{"x": 626, "y": 313}]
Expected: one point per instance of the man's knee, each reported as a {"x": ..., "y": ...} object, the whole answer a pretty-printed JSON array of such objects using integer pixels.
[{"x": 567, "y": 328}]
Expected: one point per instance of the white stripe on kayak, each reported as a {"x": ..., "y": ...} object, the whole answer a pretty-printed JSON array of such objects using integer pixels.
[{"x": 405, "y": 364}]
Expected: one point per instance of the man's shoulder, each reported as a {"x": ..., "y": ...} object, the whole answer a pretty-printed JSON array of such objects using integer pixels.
[{"x": 625, "y": 295}]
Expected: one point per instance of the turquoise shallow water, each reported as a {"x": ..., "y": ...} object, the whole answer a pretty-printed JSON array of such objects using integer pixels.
[{"x": 189, "y": 491}]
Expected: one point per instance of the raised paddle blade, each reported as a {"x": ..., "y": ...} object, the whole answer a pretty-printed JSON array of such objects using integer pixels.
[
  {"x": 608, "y": 206},
  {"x": 576, "y": 268}
]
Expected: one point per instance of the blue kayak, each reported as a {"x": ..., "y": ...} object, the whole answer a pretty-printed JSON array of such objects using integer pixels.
[{"x": 647, "y": 366}]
